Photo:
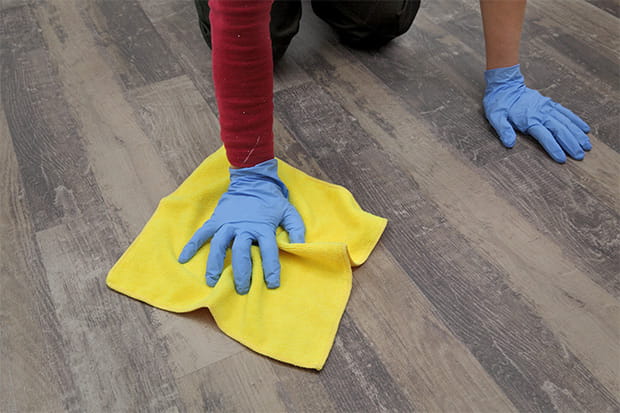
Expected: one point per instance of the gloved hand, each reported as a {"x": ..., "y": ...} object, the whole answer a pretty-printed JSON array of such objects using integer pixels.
[
  {"x": 255, "y": 204},
  {"x": 509, "y": 104}
]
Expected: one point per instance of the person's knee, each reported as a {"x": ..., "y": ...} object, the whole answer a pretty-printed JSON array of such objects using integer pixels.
[
  {"x": 202, "y": 7},
  {"x": 284, "y": 25},
  {"x": 390, "y": 20},
  {"x": 368, "y": 24}
]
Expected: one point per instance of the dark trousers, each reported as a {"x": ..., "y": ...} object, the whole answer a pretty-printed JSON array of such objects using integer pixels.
[{"x": 363, "y": 24}]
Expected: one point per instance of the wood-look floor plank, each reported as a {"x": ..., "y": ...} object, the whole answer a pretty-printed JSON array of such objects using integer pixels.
[
  {"x": 195, "y": 338},
  {"x": 130, "y": 41},
  {"x": 472, "y": 206},
  {"x": 397, "y": 325},
  {"x": 504, "y": 333},
  {"x": 177, "y": 24},
  {"x": 33, "y": 354},
  {"x": 600, "y": 172},
  {"x": 126, "y": 156},
  {"x": 292, "y": 151},
  {"x": 591, "y": 238},
  {"x": 437, "y": 104},
  {"x": 433, "y": 368},
  {"x": 564, "y": 210},
  {"x": 105, "y": 333},
  {"x": 180, "y": 123},
  {"x": 477, "y": 298},
  {"x": 126, "y": 144},
  {"x": 555, "y": 51},
  {"x": 440, "y": 93},
  {"x": 243, "y": 382},
  {"x": 7, "y": 4},
  {"x": 76, "y": 254},
  {"x": 301, "y": 390},
  {"x": 592, "y": 42},
  {"x": 356, "y": 378},
  {"x": 127, "y": 166},
  {"x": 551, "y": 23},
  {"x": 39, "y": 122}
]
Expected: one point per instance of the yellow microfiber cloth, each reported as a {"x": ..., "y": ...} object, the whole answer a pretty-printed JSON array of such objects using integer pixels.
[{"x": 295, "y": 323}]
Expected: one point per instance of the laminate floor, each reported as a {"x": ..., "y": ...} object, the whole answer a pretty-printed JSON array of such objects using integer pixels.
[{"x": 494, "y": 288}]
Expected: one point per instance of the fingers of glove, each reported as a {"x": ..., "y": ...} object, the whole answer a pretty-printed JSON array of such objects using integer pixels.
[
  {"x": 294, "y": 225},
  {"x": 565, "y": 138},
  {"x": 504, "y": 129},
  {"x": 271, "y": 260},
  {"x": 219, "y": 244},
  {"x": 573, "y": 118},
  {"x": 242, "y": 262},
  {"x": 546, "y": 139},
  {"x": 581, "y": 137},
  {"x": 199, "y": 238}
]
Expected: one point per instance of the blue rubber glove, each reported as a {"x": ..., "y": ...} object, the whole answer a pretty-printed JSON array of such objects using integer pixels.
[
  {"x": 509, "y": 104},
  {"x": 255, "y": 204}
]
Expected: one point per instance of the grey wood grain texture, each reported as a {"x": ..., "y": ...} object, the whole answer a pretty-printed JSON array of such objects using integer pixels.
[
  {"x": 428, "y": 362},
  {"x": 456, "y": 116},
  {"x": 555, "y": 48},
  {"x": 554, "y": 72},
  {"x": 387, "y": 334},
  {"x": 39, "y": 123},
  {"x": 130, "y": 40},
  {"x": 356, "y": 378},
  {"x": 562, "y": 295},
  {"x": 176, "y": 21},
  {"x": 568, "y": 212},
  {"x": 130, "y": 171},
  {"x": 177, "y": 118},
  {"x": 441, "y": 262},
  {"x": 76, "y": 246},
  {"x": 602, "y": 219},
  {"x": 114, "y": 349},
  {"x": 33, "y": 353},
  {"x": 240, "y": 383},
  {"x": 494, "y": 287}
]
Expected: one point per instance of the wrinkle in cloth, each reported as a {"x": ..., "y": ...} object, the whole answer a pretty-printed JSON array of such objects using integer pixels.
[{"x": 295, "y": 323}]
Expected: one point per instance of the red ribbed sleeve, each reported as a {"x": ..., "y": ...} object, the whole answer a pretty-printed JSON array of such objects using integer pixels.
[{"x": 243, "y": 78}]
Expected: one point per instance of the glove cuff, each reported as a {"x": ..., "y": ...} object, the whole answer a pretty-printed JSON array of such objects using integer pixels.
[
  {"x": 264, "y": 171},
  {"x": 502, "y": 76}
]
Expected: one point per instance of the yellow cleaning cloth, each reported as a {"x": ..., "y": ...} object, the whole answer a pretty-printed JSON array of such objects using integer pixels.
[{"x": 295, "y": 323}]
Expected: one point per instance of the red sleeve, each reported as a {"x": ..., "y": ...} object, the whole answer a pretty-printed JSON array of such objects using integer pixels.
[{"x": 243, "y": 78}]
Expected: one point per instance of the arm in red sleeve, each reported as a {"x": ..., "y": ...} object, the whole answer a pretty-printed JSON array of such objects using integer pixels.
[{"x": 243, "y": 78}]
